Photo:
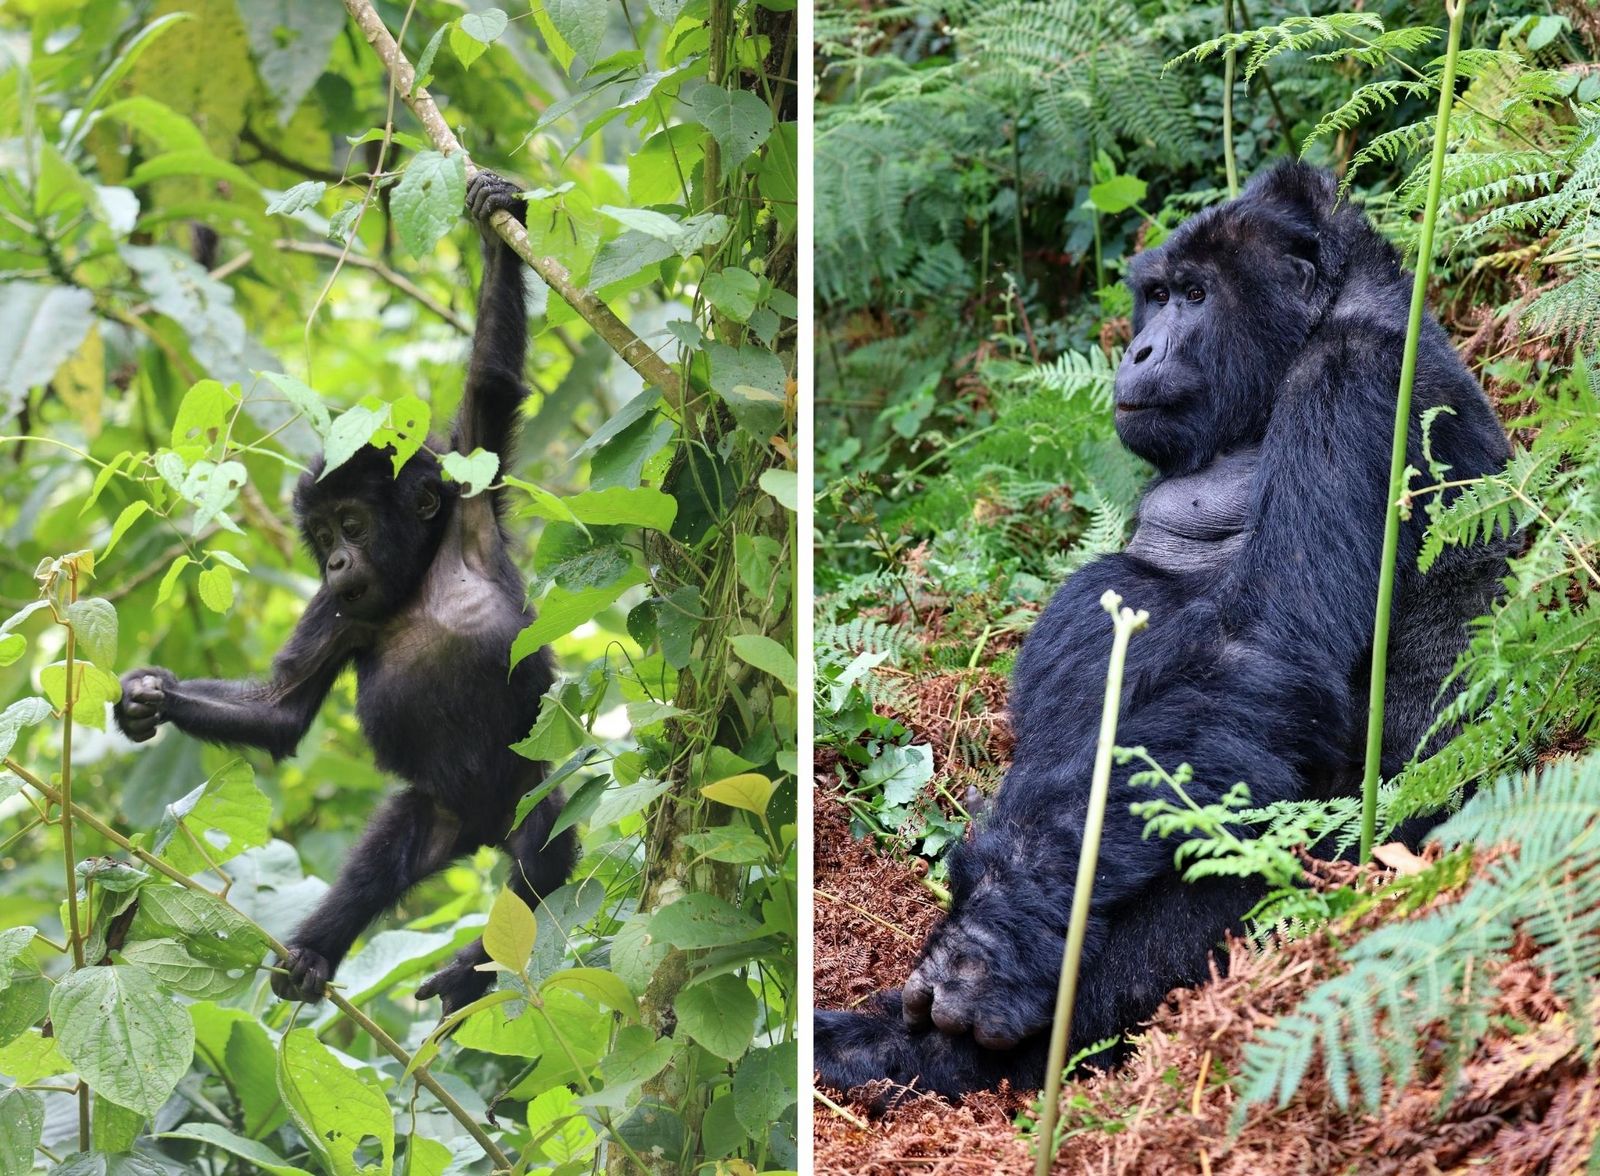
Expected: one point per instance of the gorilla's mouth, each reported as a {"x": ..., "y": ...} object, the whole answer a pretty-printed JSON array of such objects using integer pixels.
[
  {"x": 350, "y": 596},
  {"x": 1130, "y": 406}
]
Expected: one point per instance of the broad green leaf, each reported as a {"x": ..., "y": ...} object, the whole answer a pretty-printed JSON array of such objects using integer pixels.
[
  {"x": 637, "y": 1057},
  {"x": 21, "y": 1121},
  {"x": 764, "y": 1087},
  {"x": 298, "y": 198},
  {"x": 485, "y": 26},
  {"x": 31, "y": 1057},
  {"x": 561, "y": 611},
  {"x": 475, "y": 472},
  {"x": 26, "y": 712},
  {"x": 558, "y": 1127},
  {"x": 114, "y": 1129},
  {"x": 216, "y": 588},
  {"x": 170, "y": 962},
  {"x": 13, "y": 942},
  {"x": 127, "y": 1038},
  {"x": 733, "y": 291},
  {"x": 753, "y": 383},
  {"x": 719, "y": 1014},
  {"x": 227, "y": 815},
  {"x": 764, "y": 653},
  {"x": 900, "y": 772},
  {"x": 336, "y": 1108},
  {"x": 406, "y": 429},
  {"x": 511, "y": 931},
  {"x": 210, "y": 929},
  {"x": 738, "y": 120},
  {"x": 627, "y": 800},
  {"x": 784, "y": 485},
  {"x": 581, "y": 23},
  {"x": 601, "y": 986},
  {"x": 1118, "y": 194},
  {"x": 702, "y": 920},
  {"x": 750, "y": 791},
  {"x": 259, "y": 1156},
  {"x": 305, "y": 399},
  {"x": 735, "y": 844},
  {"x": 556, "y": 733},
  {"x": 617, "y": 506},
  {"x": 203, "y": 414},
  {"x": 428, "y": 199},
  {"x": 349, "y": 432},
  {"x": 467, "y": 48},
  {"x": 40, "y": 328},
  {"x": 92, "y": 690}
]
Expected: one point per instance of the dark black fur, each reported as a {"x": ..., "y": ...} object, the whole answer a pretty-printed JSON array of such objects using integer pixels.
[
  {"x": 1267, "y": 348},
  {"x": 420, "y": 595}
]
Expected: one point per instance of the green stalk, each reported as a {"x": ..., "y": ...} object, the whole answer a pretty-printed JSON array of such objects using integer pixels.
[
  {"x": 1402, "y": 427},
  {"x": 1127, "y": 623},
  {"x": 1230, "y": 60}
]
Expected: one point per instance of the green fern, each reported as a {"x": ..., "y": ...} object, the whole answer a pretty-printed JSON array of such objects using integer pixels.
[{"x": 1410, "y": 982}]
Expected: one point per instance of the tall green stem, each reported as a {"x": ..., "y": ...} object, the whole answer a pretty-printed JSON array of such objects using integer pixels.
[
  {"x": 1230, "y": 61},
  {"x": 1402, "y": 428},
  {"x": 1127, "y": 623}
]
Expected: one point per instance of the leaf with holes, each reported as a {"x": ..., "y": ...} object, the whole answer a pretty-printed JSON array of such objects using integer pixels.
[
  {"x": 406, "y": 429},
  {"x": 428, "y": 199},
  {"x": 738, "y": 120},
  {"x": 337, "y": 1109},
  {"x": 126, "y": 1037}
]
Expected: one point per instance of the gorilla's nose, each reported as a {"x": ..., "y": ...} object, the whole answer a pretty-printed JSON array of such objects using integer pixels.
[
  {"x": 1152, "y": 349},
  {"x": 338, "y": 561}
]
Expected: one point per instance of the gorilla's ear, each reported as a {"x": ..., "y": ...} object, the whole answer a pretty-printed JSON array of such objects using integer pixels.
[
  {"x": 1297, "y": 186},
  {"x": 1305, "y": 275},
  {"x": 427, "y": 503}
]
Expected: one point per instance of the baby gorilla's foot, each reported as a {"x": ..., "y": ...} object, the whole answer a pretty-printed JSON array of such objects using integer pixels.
[
  {"x": 304, "y": 977},
  {"x": 459, "y": 983},
  {"x": 488, "y": 194},
  {"x": 972, "y": 980}
]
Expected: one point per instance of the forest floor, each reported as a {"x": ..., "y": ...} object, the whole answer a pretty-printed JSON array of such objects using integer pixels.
[{"x": 1528, "y": 1099}]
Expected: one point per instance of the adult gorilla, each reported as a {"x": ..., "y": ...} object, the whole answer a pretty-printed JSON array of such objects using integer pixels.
[{"x": 1261, "y": 384}]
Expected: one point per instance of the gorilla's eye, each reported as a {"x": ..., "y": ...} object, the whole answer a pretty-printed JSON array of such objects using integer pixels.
[
  {"x": 1195, "y": 294},
  {"x": 351, "y": 527},
  {"x": 323, "y": 537},
  {"x": 1159, "y": 296}
]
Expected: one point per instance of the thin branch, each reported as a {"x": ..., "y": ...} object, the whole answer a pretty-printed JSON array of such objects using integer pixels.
[
  {"x": 638, "y": 354},
  {"x": 396, "y": 279}
]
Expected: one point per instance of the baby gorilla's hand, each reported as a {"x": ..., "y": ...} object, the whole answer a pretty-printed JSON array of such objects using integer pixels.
[
  {"x": 459, "y": 982},
  {"x": 971, "y": 979},
  {"x": 143, "y": 703},
  {"x": 304, "y": 977},
  {"x": 488, "y": 194}
]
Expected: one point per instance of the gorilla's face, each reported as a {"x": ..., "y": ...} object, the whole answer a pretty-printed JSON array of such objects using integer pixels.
[{"x": 1220, "y": 310}]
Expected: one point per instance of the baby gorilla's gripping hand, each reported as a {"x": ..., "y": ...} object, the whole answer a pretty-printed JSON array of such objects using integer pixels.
[
  {"x": 142, "y": 706},
  {"x": 487, "y": 194},
  {"x": 304, "y": 976}
]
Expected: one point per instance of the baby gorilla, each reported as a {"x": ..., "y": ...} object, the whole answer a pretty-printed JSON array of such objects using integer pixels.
[
  {"x": 1260, "y": 382},
  {"x": 420, "y": 596}
]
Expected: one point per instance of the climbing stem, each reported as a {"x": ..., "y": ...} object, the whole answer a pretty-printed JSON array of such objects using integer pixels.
[{"x": 1402, "y": 428}]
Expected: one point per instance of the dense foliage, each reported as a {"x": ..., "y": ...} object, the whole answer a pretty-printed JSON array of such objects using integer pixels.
[
  {"x": 967, "y": 460},
  {"x": 226, "y": 247}
]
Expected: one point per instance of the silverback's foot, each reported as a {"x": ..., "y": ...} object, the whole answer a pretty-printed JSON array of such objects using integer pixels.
[{"x": 459, "y": 983}]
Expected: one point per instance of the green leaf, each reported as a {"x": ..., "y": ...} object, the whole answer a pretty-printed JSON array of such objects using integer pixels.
[
  {"x": 466, "y": 48},
  {"x": 40, "y": 328},
  {"x": 475, "y": 473},
  {"x": 753, "y": 382},
  {"x": 216, "y": 588},
  {"x": 719, "y": 1014},
  {"x": 561, "y": 611},
  {"x": 764, "y": 1087},
  {"x": 335, "y": 1108},
  {"x": 581, "y": 23},
  {"x": 1545, "y": 30},
  {"x": 170, "y": 962},
  {"x": 637, "y": 1057},
  {"x": 21, "y": 1122},
  {"x": 556, "y": 733},
  {"x": 511, "y": 931},
  {"x": 901, "y": 772},
  {"x": 170, "y": 580},
  {"x": 424, "y": 70},
  {"x": 130, "y": 514},
  {"x": 733, "y": 291},
  {"x": 128, "y": 1039},
  {"x": 702, "y": 920},
  {"x": 13, "y": 942},
  {"x": 203, "y": 416},
  {"x": 738, "y": 120},
  {"x": 306, "y": 400},
  {"x": 784, "y": 485},
  {"x": 298, "y": 198},
  {"x": 92, "y": 690},
  {"x": 559, "y": 1129},
  {"x": 603, "y": 987},
  {"x": 405, "y": 430},
  {"x": 428, "y": 199},
  {"x": 749, "y": 791},
  {"x": 259, "y": 1156},
  {"x": 12, "y": 647},
  {"x": 1118, "y": 194},
  {"x": 684, "y": 237},
  {"x": 353, "y": 429},
  {"x": 735, "y": 844},
  {"x": 764, "y": 653},
  {"x": 227, "y": 815},
  {"x": 26, "y": 712},
  {"x": 208, "y": 928},
  {"x": 485, "y": 26},
  {"x": 615, "y": 506}
]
